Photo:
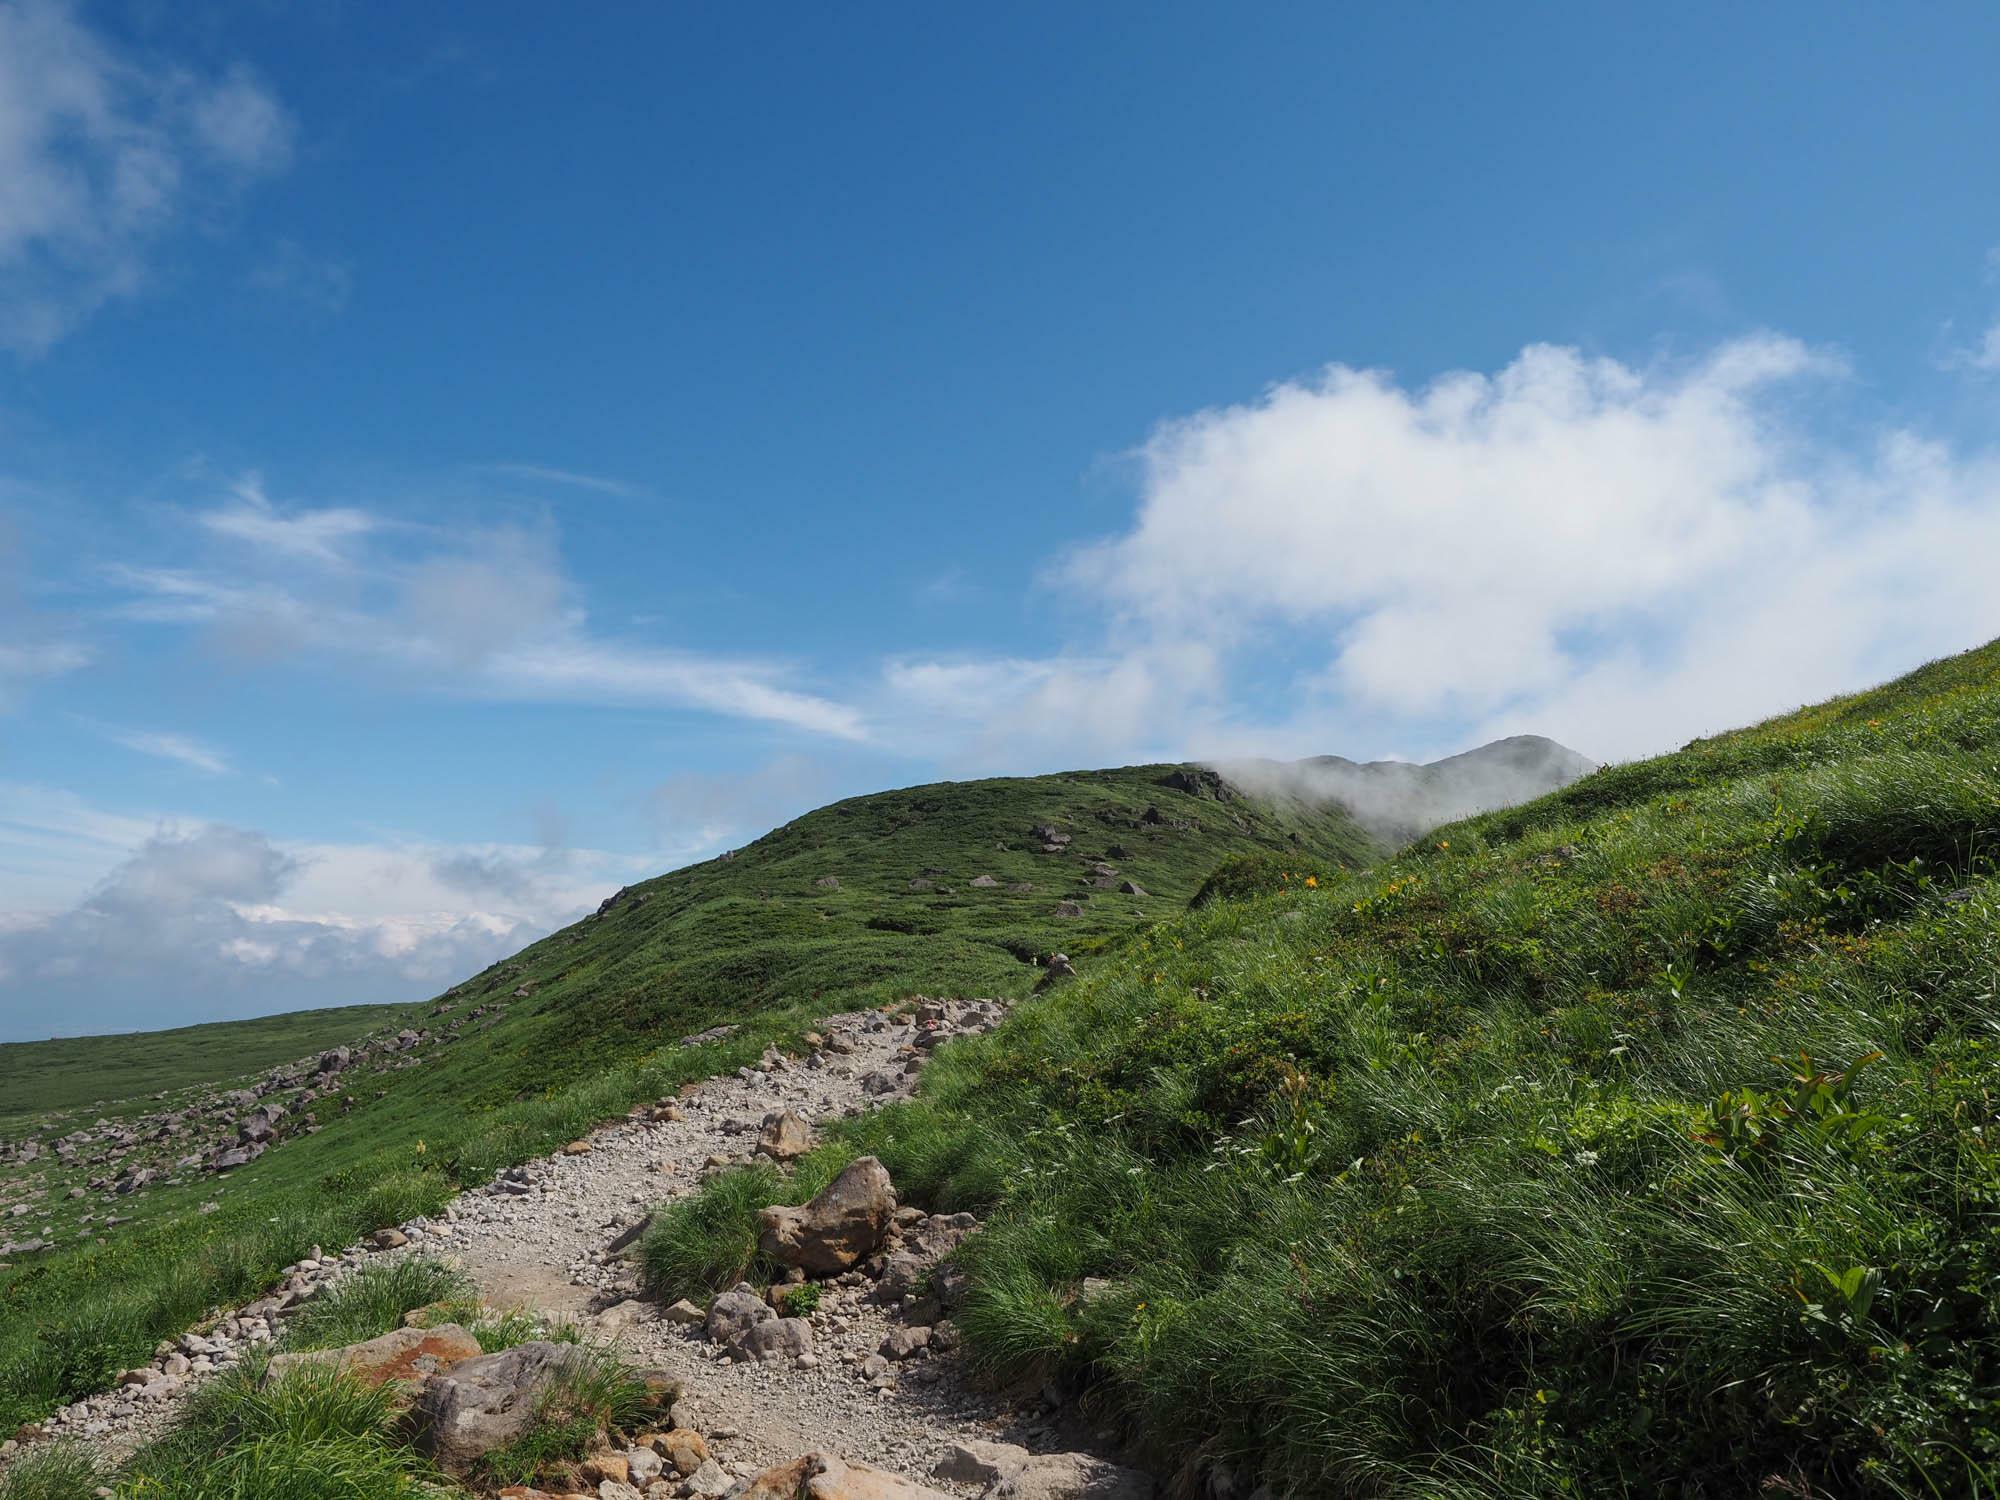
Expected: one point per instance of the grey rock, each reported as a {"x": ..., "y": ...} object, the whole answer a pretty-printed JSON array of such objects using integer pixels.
[
  {"x": 483, "y": 1403},
  {"x": 976, "y": 1462},
  {"x": 1072, "y": 1476}
]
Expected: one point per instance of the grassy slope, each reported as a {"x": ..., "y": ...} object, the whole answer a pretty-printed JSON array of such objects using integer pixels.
[
  {"x": 1554, "y": 1157},
  {"x": 750, "y": 939},
  {"x": 37, "y": 1078}
]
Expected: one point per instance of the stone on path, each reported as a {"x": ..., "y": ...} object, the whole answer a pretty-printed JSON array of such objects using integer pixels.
[
  {"x": 1072, "y": 1476},
  {"x": 784, "y": 1137},
  {"x": 841, "y": 1227},
  {"x": 975, "y": 1462},
  {"x": 821, "y": 1476}
]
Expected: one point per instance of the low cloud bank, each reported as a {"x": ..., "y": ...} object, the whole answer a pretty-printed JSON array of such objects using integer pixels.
[
  {"x": 218, "y": 922},
  {"x": 1398, "y": 801}
]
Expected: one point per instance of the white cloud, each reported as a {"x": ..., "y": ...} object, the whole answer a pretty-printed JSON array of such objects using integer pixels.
[
  {"x": 241, "y": 125},
  {"x": 1983, "y": 356},
  {"x": 570, "y": 478},
  {"x": 181, "y": 748},
  {"x": 488, "y": 613},
  {"x": 198, "y": 921},
  {"x": 100, "y": 154},
  {"x": 1619, "y": 556},
  {"x": 316, "y": 535},
  {"x": 25, "y": 661}
]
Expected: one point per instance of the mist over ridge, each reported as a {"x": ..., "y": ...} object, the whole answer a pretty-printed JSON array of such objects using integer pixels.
[{"x": 1397, "y": 800}]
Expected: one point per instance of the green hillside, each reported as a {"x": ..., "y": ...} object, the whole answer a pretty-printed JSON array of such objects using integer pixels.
[
  {"x": 866, "y": 901},
  {"x": 100, "y": 1071},
  {"x": 1638, "y": 1141}
]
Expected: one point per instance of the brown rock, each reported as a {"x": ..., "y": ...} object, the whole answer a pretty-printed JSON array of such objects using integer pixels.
[
  {"x": 785, "y": 1137},
  {"x": 683, "y": 1448},
  {"x": 577, "y": 1148},
  {"x": 1074, "y": 1476},
  {"x": 843, "y": 1226},
  {"x": 612, "y": 1466},
  {"x": 976, "y": 1462},
  {"x": 401, "y": 1354}
]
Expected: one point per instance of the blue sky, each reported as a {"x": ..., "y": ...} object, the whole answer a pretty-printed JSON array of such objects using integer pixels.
[{"x": 455, "y": 461}]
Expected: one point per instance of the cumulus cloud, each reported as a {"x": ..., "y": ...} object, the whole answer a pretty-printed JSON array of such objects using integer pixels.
[
  {"x": 203, "y": 921},
  {"x": 485, "y": 612},
  {"x": 1616, "y": 555},
  {"x": 101, "y": 155}
]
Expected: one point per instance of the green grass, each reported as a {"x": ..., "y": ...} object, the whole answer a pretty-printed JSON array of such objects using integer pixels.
[
  {"x": 315, "y": 1434},
  {"x": 591, "y": 1393},
  {"x": 752, "y": 939},
  {"x": 373, "y": 1301},
  {"x": 51, "y": 1471},
  {"x": 98, "y": 1072},
  {"x": 1638, "y": 1141}
]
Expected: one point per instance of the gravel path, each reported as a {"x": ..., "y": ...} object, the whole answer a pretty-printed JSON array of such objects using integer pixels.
[{"x": 541, "y": 1237}]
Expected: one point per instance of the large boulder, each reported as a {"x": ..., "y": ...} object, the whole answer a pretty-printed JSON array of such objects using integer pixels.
[
  {"x": 401, "y": 1354},
  {"x": 481, "y": 1404},
  {"x": 843, "y": 1226},
  {"x": 780, "y": 1338},
  {"x": 821, "y": 1476}
]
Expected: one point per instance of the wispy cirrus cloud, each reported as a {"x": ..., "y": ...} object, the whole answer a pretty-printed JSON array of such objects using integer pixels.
[
  {"x": 102, "y": 153},
  {"x": 24, "y": 661},
  {"x": 180, "y": 748},
  {"x": 486, "y": 613},
  {"x": 321, "y": 535},
  {"x": 568, "y": 478}
]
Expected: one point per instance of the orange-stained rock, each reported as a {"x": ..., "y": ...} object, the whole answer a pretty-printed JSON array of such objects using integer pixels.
[
  {"x": 402, "y": 1354},
  {"x": 602, "y": 1466},
  {"x": 683, "y": 1448}
]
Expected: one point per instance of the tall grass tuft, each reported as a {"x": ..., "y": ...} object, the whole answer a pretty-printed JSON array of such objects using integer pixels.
[{"x": 373, "y": 1301}]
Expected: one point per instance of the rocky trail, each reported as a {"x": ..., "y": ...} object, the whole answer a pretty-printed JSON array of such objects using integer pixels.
[{"x": 865, "y": 1395}]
